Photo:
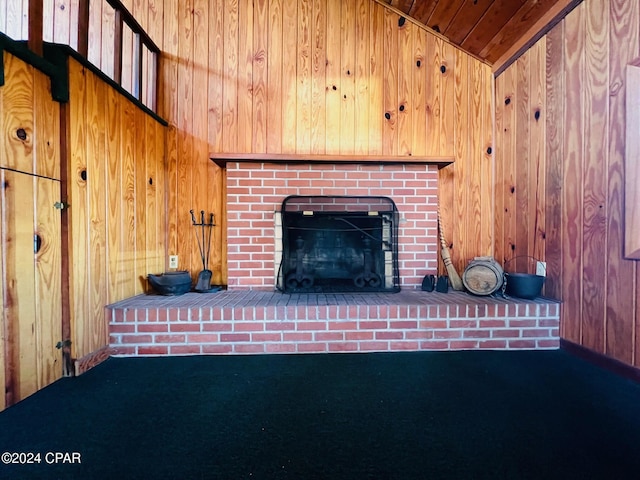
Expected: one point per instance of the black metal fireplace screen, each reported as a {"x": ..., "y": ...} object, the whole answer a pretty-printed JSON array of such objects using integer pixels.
[{"x": 339, "y": 244}]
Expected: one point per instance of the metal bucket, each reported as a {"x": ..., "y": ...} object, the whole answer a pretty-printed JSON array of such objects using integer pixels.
[
  {"x": 523, "y": 285},
  {"x": 483, "y": 276}
]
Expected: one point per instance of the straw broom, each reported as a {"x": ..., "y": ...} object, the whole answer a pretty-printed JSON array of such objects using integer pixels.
[{"x": 454, "y": 278}]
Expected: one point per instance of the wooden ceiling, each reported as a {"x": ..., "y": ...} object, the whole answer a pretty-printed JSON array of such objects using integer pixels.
[{"x": 495, "y": 31}]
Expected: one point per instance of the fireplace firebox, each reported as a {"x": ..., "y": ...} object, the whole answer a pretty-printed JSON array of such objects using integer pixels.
[{"x": 339, "y": 244}]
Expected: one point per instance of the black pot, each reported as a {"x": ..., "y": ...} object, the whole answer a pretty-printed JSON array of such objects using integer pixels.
[
  {"x": 524, "y": 285},
  {"x": 171, "y": 283}
]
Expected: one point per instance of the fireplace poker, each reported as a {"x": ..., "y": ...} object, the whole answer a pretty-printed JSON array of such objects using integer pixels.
[{"x": 204, "y": 242}]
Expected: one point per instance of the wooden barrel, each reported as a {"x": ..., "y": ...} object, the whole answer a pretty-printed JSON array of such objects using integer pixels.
[{"x": 483, "y": 276}]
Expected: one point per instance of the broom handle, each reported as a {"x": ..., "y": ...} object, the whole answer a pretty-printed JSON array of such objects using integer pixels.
[{"x": 456, "y": 281}]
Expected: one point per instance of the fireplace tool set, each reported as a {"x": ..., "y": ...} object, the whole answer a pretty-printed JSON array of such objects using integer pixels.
[{"x": 204, "y": 244}]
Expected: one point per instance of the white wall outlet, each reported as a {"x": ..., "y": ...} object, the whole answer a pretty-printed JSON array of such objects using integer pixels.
[
  {"x": 173, "y": 261},
  {"x": 541, "y": 269}
]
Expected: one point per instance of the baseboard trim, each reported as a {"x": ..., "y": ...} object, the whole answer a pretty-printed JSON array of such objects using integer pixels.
[{"x": 601, "y": 360}]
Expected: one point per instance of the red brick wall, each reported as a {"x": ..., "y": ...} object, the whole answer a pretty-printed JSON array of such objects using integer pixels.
[{"x": 255, "y": 191}]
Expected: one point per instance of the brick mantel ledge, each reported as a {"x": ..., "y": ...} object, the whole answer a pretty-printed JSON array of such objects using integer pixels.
[{"x": 257, "y": 321}]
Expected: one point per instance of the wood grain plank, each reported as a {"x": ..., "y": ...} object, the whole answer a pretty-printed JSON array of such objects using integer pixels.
[
  {"x": 48, "y": 282},
  {"x": 128, "y": 191},
  {"x": 501, "y": 92},
  {"x": 574, "y": 44},
  {"x": 447, "y": 100},
  {"x": 20, "y": 309},
  {"x": 537, "y": 153},
  {"x": 554, "y": 154},
  {"x": 289, "y": 84},
  {"x": 347, "y": 77},
  {"x": 200, "y": 189},
  {"x": 390, "y": 85},
  {"x": 79, "y": 262},
  {"x": 405, "y": 99},
  {"x": 260, "y": 79},
  {"x": 188, "y": 258},
  {"x": 115, "y": 240},
  {"x": 215, "y": 84},
  {"x": 376, "y": 72},
  {"x": 275, "y": 74},
  {"x": 5, "y": 350},
  {"x": 47, "y": 125},
  {"x": 318, "y": 76},
  {"x": 595, "y": 204},
  {"x": 473, "y": 240},
  {"x": 245, "y": 75},
  {"x": 153, "y": 253},
  {"x": 456, "y": 214},
  {"x": 141, "y": 215},
  {"x": 333, "y": 73},
  {"x": 621, "y": 291},
  {"x": 487, "y": 168},
  {"x": 95, "y": 110},
  {"x": 434, "y": 94},
  {"x": 96, "y": 24},
  {"x": 18, "y": 133},
  {"x": 522, "y": 162},
  {"x": 62, "y": 22},
  {"x": 419, "y": 74},
  {"x": 362, "y": 79},
  {"x": 303, "y": 77}
]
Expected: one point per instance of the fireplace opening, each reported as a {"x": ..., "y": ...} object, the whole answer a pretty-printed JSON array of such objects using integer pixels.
[{"x": 339, "y": 244}]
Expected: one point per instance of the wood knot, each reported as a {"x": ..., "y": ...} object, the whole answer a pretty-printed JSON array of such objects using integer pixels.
[{"x": 21, "y": 133}]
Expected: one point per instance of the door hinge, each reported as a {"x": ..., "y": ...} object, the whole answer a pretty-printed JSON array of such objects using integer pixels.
[{"x": 61, "y": 205}]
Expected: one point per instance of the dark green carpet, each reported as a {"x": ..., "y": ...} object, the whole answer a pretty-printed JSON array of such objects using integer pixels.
[{"x": 446, "y": 415}]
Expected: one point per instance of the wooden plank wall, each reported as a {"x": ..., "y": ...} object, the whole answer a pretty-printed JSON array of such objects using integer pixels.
[
  {"x": 30, "y": 281},
  {"x": 560, "y": 173},
  {"x": 116, "y": 191},
  {"x": 315, "y": 77}
]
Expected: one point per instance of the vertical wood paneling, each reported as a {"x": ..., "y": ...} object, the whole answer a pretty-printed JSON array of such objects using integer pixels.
[
  {"x": 20, "y": 309},
  {"x": 18, "y": 94},
  {"x": 289, "y": 58},
  {"x": 522, "y": 162},
  {"x": 554, "y": 153},
  {"x": 390, "y": 84},
  {"x": 624, "y": 40},
  {"x": 333, "y": 95},
  {"x": 245, "y": 78},
  {"x": 115, "y": 228},
  {"x": 455, "y": 208},
  {"x": 97, "y": 201},
  {"x": 80, "y": 271},
  {"x": 274, "y": 69},
  {"x": 318, "y": 77},
  {"x": 347, "y": 77},
  {"x": 573, "y": 168},
  {"x": 30, "y": 280},
  {"x": 405, "y": 87},
  {"x": 48, "y": 265},
  {"x": 595, "y": 204},
  {"x": 579, "y": 161},
  {"x": 298, "y": 76},
  {"x": 376, "y": 69},
  {"x": 303, "y": 74},
  {"x": 361, "y": 77}
]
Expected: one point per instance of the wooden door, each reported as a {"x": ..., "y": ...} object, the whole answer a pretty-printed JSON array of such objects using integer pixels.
[{"x": 31, "y": 284}]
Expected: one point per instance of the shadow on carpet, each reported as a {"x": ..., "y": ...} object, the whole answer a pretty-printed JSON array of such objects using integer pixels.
[{"x": 418, "y": 415}]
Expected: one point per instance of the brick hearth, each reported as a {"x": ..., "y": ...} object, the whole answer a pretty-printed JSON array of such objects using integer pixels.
[{"x": 256, "y": 321}]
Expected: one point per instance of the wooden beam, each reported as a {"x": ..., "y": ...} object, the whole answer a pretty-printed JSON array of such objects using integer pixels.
[
  {"x": 35, "y": 26},
  {"x": 544, "y": 25},
  {"x": 83, "y": 28}
]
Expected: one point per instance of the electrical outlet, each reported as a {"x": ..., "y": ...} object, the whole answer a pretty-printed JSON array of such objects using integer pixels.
[
  {"x": 541, "y": 269},
  {"x": 173, "y": 261}
]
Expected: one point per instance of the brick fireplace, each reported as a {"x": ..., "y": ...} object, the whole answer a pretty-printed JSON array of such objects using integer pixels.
[
  {"x": 252, "y": 317},
  {"x": 255, "y": 192}
]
